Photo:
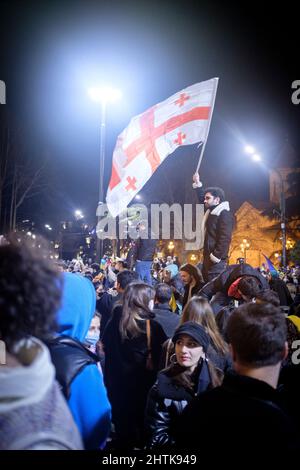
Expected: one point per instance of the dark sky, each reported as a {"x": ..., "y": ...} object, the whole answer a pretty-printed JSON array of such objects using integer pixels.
[{"x": 52, "y": 51}]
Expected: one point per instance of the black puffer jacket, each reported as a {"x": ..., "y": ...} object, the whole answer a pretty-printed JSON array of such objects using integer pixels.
[
  {"x": 69, "y": 357},
  {"x": 166, "y": 401},
  {"x": 222, "y": 282}
]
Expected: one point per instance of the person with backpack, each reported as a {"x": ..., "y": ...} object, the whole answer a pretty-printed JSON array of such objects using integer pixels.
[{"x": 77, "y": 368}]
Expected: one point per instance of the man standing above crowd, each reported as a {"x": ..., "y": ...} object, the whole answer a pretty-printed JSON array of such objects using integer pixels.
[
  {"x": 217, "y": 226},
  {"x": 144, "y": 249}
]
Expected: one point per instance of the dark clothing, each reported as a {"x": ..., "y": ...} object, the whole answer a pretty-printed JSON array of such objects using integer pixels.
[
  {"x": 177, "y": 286},
  {"x": 279, "y": 286},
  {"x": 166, "y": 318},
  {"x": 69, "y": 357},
  {"x": 143, "y": 254},
  {"x": 211, "y": 270},
  {"x": 130, "y": 258},
  {"x": 223, "y": 362},
  {"x": 221, "y": 284},
  {"x": 218, "y": 232},
  {"x": 249, "y": 412},
  {"x": 144, "y": 249},
  {"x": 126, "y": 377},
  {"x": 105, "y": 306},
  {"x": 195, "y": 291},
  {"x": 222, "y": 317},
  {"x": 295, "y": 306},
  {"x": 166, "y": 401},
  {"x": 221, "y": 302},
  {"x": 289, "y": 388}
]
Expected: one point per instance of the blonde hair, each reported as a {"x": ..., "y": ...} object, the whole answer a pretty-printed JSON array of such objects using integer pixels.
[{"x": 199, "y": 311}]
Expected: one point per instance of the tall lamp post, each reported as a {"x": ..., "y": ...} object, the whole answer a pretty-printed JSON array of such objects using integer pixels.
[
  {"x": 244, "y": 247},
  {"x": 102, "y": 96},
  {"x": 257, "y": 158},
  {"x": 282, "y": 217}
]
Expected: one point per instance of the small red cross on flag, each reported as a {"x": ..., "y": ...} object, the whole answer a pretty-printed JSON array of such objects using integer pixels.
[
  {"x": 181, "y": 100},
  {"x": 131, "y": 183},
  {"x": 152, "y": 136},
  {"x": 180, "y": 138}
]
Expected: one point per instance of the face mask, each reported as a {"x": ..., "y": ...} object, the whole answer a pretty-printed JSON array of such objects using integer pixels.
[{"x": 92, "y": 339}]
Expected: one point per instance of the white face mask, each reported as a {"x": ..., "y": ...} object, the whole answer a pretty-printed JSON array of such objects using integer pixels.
[
  {"x": 92, "y": 338},
  {"x": 151, "y": 304}
]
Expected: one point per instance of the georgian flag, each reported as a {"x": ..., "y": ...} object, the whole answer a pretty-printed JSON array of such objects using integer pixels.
[{"x": 182, "y": 119}]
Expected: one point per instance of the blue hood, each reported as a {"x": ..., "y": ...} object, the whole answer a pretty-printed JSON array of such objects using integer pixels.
[{"x": 78, "y": 306}]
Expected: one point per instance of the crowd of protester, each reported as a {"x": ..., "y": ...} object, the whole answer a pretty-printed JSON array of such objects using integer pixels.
[{"x": 97, "y": 358}]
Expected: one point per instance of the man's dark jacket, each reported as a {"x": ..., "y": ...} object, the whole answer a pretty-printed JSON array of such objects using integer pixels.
[
  {"x": 105, "y": 306},
  {"x": 222, "y": 282},
  {"x": 279, "y": 286},
  {"x": 247, "y": 412},
  {"x": 166, "y": 318},
  {"x": 218, "y": 232},
  {"x": 144, "y": 249}
]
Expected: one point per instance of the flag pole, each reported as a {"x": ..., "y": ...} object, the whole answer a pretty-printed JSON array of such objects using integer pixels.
[{"x": 203, "y": 143}]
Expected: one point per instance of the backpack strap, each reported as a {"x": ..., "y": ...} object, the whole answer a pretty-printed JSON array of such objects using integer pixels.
[
  {"x": 69, "y": 357},
  {"x": 148, "y": 332}
]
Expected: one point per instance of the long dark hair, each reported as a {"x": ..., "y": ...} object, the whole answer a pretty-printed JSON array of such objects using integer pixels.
[
  {"x": 192, "y": 271},
  {"x": 199, "y": 311},
  {"x": 136, "y": 298},
  {"x": 182, "y": 376}
]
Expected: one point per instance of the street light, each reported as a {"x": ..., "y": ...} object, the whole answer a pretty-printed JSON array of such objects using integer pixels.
[
  {"x": 244, "y": 247},
  {"x": 78, "y": 214},
  {"x": 103, "y": 96},
  {"x": 257, "y": 158},
  {"x": 249, "y": 149},
  {"x": 171, "y": 246}
]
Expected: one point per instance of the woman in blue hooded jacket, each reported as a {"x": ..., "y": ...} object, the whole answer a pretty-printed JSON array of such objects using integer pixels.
[{"x": 77, "y": 368}]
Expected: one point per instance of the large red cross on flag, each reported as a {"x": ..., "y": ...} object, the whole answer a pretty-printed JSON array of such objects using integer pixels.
[{"x": 182, "y": 119}]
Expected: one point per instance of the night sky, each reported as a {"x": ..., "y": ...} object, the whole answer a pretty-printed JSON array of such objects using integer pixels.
[{"x": 52, "y": 51}]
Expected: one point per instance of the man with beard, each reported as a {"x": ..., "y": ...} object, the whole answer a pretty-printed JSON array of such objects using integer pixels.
[{"x": 217, "y": 226}]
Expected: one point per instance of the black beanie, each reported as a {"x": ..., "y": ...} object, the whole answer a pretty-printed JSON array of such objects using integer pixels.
[{"x": 196, "y": 331}]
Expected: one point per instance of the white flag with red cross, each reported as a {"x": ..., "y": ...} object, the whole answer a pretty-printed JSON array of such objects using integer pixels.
[{"x": 182, "y": 119}]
